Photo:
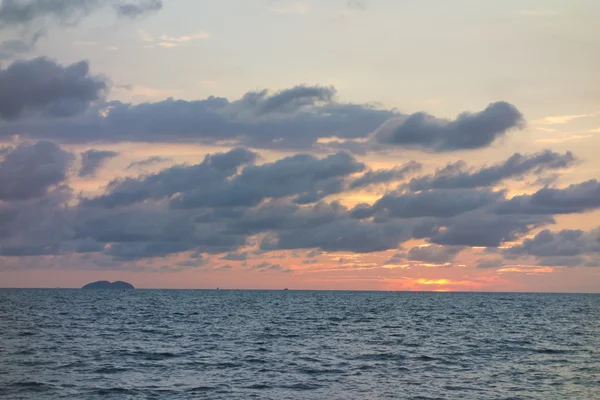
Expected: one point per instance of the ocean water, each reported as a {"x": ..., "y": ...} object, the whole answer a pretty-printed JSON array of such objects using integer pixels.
[{"x": 176, "y": 344}]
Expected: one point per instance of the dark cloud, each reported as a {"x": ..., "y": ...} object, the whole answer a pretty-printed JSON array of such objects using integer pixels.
[
  {"x": 340, "y": 235},
  {"x": 153, "y": 230},
  {"x": 290, "y": 123},
  {"x": 468, "y": 131},
  {"x": 455, "y": 175},
  {"x": 92, "y": 159},
  {"x": 482, "y": 229},
  {"x": 434, "y": 254},
  {"x": 36, "y": 226},
  {"x": 385, "y": 175},
  {"x": 134, "y": 10},
  {"x": 575, "y": 198},
  {"x": 16, "y": 13},
  {"x": 148, "y": 162},
  {"x": 433, "y": 203},
  {"x": 565, "y": 243},
  {"x": 267, "y": 267},
  {"x": 29, "y": 170},
  {"x": 235, "y": 256},
  {"x": 284, "y": 215},
  {"x": 226, "y": 203},
  {"x": 41, "y": 86},
  {"x": 291, "y": 119},
  {"x": 213, "y": 184},
  {"x": 289, "y": 100},
  {"x": 214, "y": 171},
  {"x": 304, "y": 176},
  {"x": 490, "y": 263},
  {"x": 12, "y": 48}
]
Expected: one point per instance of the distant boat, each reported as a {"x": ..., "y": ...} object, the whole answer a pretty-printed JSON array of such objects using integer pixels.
[{"x": 285, "y": 289}]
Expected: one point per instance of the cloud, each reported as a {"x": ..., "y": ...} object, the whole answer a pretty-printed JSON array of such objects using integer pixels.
[
  {"x": 289, "y": 119},
  {"x": 433, "y": 203},
  {"x": 185, "y": 38},
  {"x": 299, "y": 118},
  {"x": 455, "y": 175},
  {"x": 213, "y": 184},
  {"x": 213, "y": 171},
  {"x": 481, "y": 229},
  {"x": 468, "y": 131},
  {"x": 15, "y": 13},
  {"x": 560, "y": 119},
  {"x": 235, "y": 256},
  {"x": 267, "y": 267},
  {"x": 567, "y": 245},
  {"x": 340, "y": 235},
  {"x": 30, "y": 170},
  {"x": 12, "y": 48},
  {"x": 148, "y": 162},
  {"x": 490, "y": 263},
  {"x": 34, "y": 224},
  {"x": 134, "y": 10},
  {"x": 92, "y": 159},
  {"x": 385, "y": 175},
  {"x": 575, "y": 198},
  {"x": 41, "y": 86},
  {"x": 434, "y": 254},
  {"x": 226, "y": 204}
]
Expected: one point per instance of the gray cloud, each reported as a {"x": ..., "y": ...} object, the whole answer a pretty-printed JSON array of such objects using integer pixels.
[
  {"x": 235, "y": 256},
  {"x": 468, "y": 131},
  {"x": 565, "y": 243},
  {"x": 92, "y": 159},
  {"x": 575, "y": 198},
  {"x": 148, "y": 162},
  {"x": 28, "y": 171},
  {"x": 434, "y": 254},
  {"x": 41, "y": 86},
  {"x": 213, "y": 171},
  {"x": 385, "y": 175},
  {"x": 289, "y": 100},
  {"x": 482, "y": 229},
  {"x": 134, "y": 10},
  {"x": 433, "y": 203},
  {"x": 36, "y": 225},
  {"x": 305, "y": 176},
  {"x": 457, "y": 176},
  {"x": 266, "y": 267},
  {"x": 15, "y": 13},
  {"x": 213, "y": 184},
  {"x": 341, "y": 235},
  {"x": 12, "y": 48},
  {"x": 490, "y": 263},
  {"x": 232, "y": 203},
  {"x": 291, "y": 119}
]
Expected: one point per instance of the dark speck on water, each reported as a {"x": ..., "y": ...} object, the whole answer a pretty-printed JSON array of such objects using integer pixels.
[{"x": 176, "y": 344}]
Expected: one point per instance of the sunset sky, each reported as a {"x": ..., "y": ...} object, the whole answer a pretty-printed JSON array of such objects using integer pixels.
[{"x": 338, "y": 144}]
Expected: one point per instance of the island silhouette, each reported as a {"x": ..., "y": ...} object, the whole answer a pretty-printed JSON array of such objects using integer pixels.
[{"x": 108, "y": 285}]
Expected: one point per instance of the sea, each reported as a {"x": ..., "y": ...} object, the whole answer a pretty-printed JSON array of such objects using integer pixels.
[{"x": 230, "y": 344}]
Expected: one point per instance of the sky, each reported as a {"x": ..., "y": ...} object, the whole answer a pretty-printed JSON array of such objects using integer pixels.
[{"x": 268, "y": 144}]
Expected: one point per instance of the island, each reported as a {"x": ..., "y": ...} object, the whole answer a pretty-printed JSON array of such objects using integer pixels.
[{"x": 108, "y": 285}]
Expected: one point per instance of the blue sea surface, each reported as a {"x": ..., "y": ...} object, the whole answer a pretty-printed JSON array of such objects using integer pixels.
[{"x": 178, "y": 344}]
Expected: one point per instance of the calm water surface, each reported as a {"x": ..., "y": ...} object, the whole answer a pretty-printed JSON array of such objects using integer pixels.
[{"x": 162, "y": 344}]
